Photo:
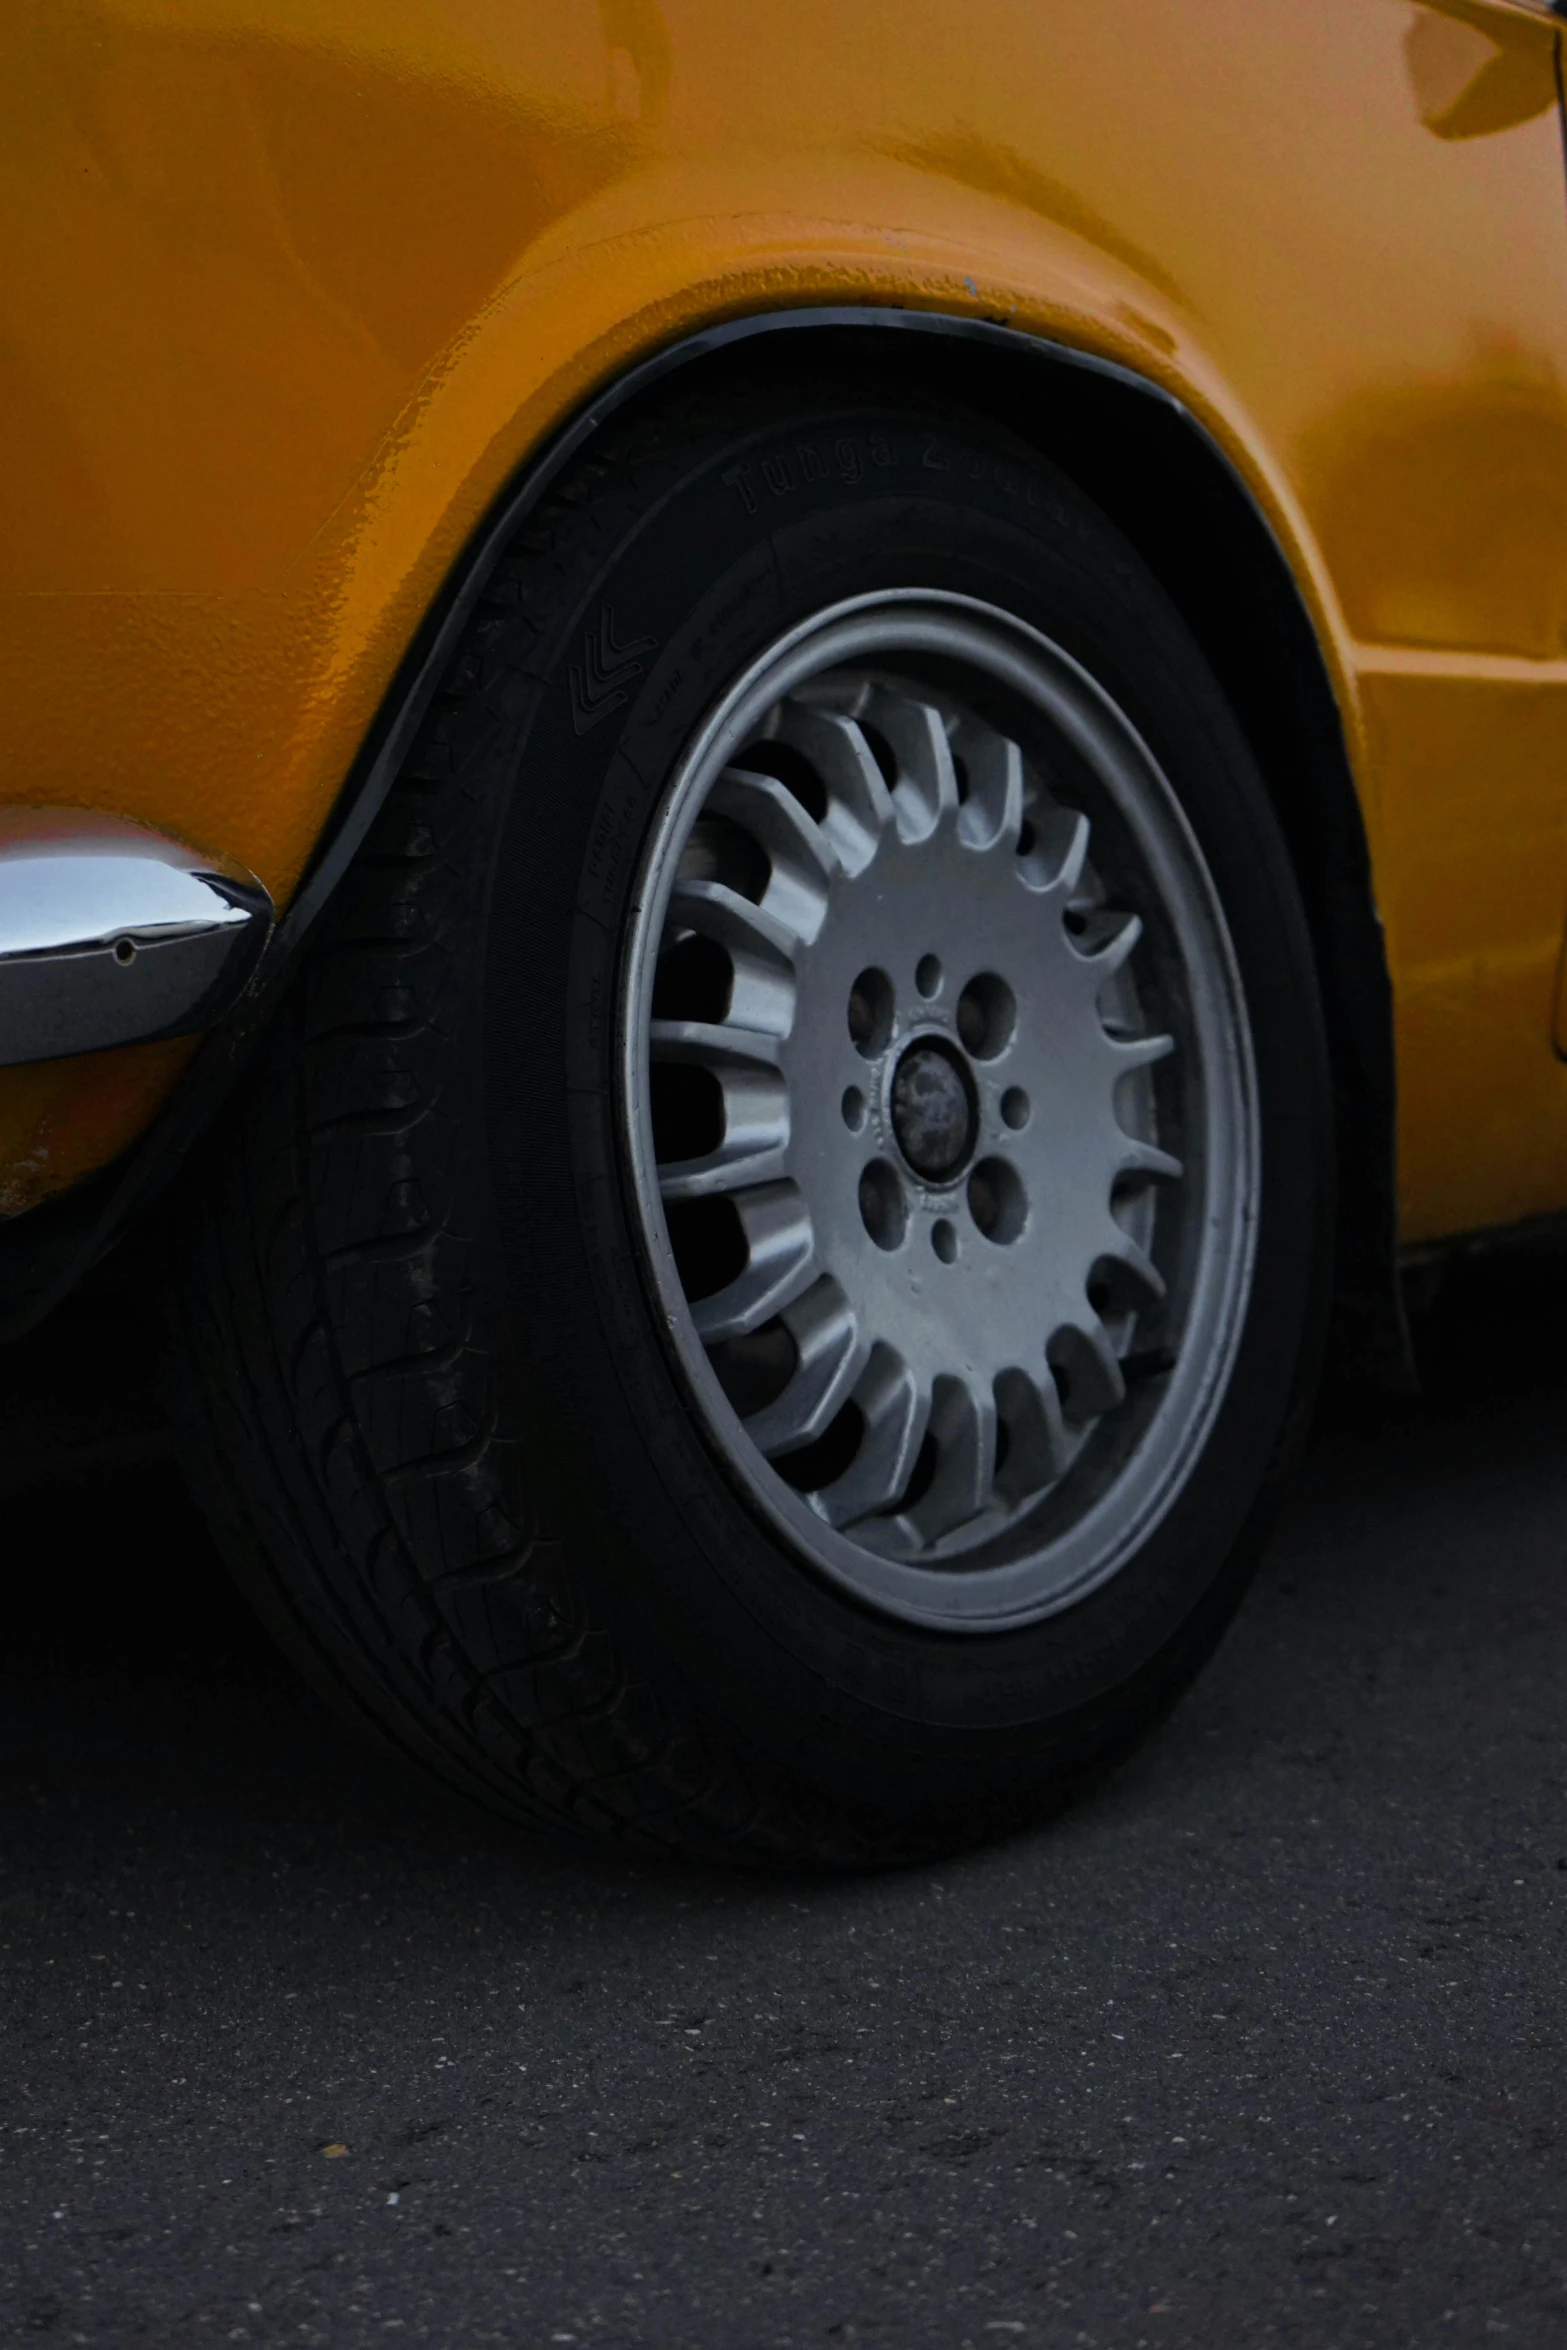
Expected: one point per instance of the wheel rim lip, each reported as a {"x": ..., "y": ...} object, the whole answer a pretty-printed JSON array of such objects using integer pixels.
[{"x": 946, "y": 1595}]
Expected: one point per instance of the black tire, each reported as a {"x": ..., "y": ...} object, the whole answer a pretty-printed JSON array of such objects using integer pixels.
[{"x": 425, "y": 1397}]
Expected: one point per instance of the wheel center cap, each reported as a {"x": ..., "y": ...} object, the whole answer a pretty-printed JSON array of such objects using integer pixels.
[{"x": 932, "y": 1111}]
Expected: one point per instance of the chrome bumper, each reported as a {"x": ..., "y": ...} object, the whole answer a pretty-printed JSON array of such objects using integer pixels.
[{"x": 110, "y": 934}]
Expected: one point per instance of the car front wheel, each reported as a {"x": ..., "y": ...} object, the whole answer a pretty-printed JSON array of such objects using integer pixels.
[{"x": 760, "y": 1297}]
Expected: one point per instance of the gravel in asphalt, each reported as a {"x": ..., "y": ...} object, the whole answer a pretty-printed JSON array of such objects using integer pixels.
[{"x": 1261, "y": 2046}]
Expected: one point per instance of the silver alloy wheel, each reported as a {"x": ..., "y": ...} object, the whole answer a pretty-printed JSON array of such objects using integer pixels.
[{"x": 940, "y": 1110}]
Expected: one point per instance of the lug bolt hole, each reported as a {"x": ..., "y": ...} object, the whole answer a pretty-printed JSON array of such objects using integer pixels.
[
  {"x": 944, "y": 1240},
  {"x": 870, "y": 1012},
  {"x": 927, "y": 975},
  {"x": 854, "y": 1109},
  {"x": 125, "y": 950},
  {"x": 883, "y": 1208},
  {"x": 987, "y": 1015},
  {"x": 997, "y": 1201},
  {"x": 1015, "y": 1108}
]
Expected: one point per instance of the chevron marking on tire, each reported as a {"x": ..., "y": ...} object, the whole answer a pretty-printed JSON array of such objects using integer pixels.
[{"x": 599, "y": 681}]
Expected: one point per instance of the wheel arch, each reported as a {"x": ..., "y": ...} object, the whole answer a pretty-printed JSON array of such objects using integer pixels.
[{"x": 1174, "y": 494}]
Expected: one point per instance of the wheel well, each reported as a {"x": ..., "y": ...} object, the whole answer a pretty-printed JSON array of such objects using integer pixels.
[{"x": 1169, "y": 489}]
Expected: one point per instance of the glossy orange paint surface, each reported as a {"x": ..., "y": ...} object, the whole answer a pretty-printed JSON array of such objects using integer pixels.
[{"x": 289, "y": 289}]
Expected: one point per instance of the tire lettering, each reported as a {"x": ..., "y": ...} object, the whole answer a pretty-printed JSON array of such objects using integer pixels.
[{"x": 735, "y": 479}]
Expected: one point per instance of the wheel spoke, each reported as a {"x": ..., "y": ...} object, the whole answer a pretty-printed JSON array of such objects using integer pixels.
[
  {"x": 718, "y": 912},
  {"x": 760, "y": 950},
  {"x": 831, "y": 1354},
  {"x": 1138, "y": 1052},
  {"x": 802, "y": 858},
  {"x": 1037, "y": 1452},
  {"x": 1125, "y": 1253},
  {"x": 927, "y": 785},
  {"x": 896, "y": 1414},
  {"x": 1102, "y": 1351},
  {"x": 963, "y": 1429},
  {"x": 780, "y": 1253},
  {"x": 1106, "y": 954},
  {"x": 755, "y": 1136},
  {"x": 1086, "y": 1368},
  {"x": 992, "y": 815},
  {"x": 714, "y": 1043},
  {"x": 859, "y": 805},
  {"x": 1146, "y": 1158},
  {"x": 1054, "y": 865}
]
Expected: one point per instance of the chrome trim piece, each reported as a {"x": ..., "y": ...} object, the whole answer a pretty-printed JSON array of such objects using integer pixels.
[{"x": 112, "y": 935}]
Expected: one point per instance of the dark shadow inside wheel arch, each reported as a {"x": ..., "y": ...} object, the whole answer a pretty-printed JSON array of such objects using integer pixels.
[{"x": 1159, "y": 476}]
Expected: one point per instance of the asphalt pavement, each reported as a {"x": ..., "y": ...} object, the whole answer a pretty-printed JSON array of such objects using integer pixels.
[{"x": 1261, "y": 2046}]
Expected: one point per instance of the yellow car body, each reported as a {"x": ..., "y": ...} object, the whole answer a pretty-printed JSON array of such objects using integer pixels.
[{"x": 291, "y": 291}]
